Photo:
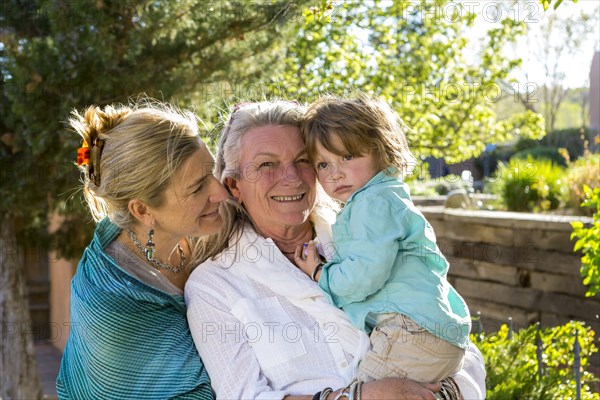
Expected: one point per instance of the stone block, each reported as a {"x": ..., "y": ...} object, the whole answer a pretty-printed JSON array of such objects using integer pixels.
[
  {"x": 524, "y": 256},
  {"x": 498, "y": 293},
  {"x": 493, "y": 315},
  {"x": 557, "y": 262},
  {"x": 470, "y": 232},
  {"x": 566, "y": 284},
  {"x": 549, "y": 319},
  {"x": 558, "y": 241},
  {"x": 482, "y": 270},
  {"x": 569, "y": 306},
  {"x": 507, "y": 219},
  {"x": 530, "y": 299}
]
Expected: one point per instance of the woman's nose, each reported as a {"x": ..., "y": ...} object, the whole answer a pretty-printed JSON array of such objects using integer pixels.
[
  {"x": 291, "y": 174},
  {"x": 218, "y": 191}
]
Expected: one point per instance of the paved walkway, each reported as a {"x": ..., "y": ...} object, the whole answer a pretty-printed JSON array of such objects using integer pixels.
[{"x": 48, "y": 359}]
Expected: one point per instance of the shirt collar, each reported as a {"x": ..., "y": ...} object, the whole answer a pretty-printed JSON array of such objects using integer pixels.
[
  {"x": 105, "y": 232},
  {"x": 388, "y": 174}
]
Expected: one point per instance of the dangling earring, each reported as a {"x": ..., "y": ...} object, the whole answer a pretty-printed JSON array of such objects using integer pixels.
[{"x": 150, "y": 248}]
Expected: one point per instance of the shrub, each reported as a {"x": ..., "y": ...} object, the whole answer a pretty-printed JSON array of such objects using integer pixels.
[
  {"x": 525, "y": 144},
  {"x": 573, "y": 139},
  {"x": 583, "y": 172},
  {"x": 421, "y": 188},
  {"x": 512, "y": 364},
  {"x": 528, "y": 185},
  {"x": 438, "y": 186},
  {"x": 450, "y": 182},
  {"x": 588, "y": 243},
  {"x": 542, "y": 153},
  {"x": 419, "y": 181}
]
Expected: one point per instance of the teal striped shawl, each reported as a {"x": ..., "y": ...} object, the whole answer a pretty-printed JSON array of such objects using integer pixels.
[{"x": 128, "y": 340}]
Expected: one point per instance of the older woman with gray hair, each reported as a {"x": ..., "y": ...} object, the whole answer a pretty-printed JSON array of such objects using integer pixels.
[{"x": 262, "y": 327}]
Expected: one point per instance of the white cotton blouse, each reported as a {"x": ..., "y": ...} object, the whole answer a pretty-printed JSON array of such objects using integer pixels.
[{"x": 264, "y": 330}]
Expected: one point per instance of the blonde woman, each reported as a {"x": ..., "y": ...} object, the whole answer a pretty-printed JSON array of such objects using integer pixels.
[{"x": 148, "y": 180}]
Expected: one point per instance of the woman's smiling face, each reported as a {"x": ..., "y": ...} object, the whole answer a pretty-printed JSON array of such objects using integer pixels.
[
  {"x": 191, "y": 206},
  {"x": 277, "y": 183}
]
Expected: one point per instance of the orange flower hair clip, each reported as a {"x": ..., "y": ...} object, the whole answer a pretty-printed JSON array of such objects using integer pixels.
[{"x": 83, "y": 154}]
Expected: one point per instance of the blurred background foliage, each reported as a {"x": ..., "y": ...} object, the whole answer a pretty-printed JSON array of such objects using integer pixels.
[
  {"x": 57, "y": 56},
  {"x": 414, "y": 56}
]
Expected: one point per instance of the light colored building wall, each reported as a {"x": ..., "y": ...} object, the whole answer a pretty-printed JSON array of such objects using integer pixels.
[
  {"x": 61, "y": 272},
  {"x": 595, "y": 93}
]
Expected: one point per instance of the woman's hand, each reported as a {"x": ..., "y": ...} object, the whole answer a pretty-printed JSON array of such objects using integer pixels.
[
  {"x": 389, "y": 389},
  {"x": 396, "y": 388}
]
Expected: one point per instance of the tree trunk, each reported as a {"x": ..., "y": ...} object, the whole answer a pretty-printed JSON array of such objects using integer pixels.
[{"x": 19, "y": 376}]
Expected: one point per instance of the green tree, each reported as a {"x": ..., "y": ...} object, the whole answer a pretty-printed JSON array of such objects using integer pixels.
[
  {"x": 553, "y": 39},
  {"x": 587, "y": 242},
  {"x": 56, "y": 56},
  {"x": 413, "y": 55},
  {"x": 554, "y": 3},
  {"x": 558, "y": 38}
]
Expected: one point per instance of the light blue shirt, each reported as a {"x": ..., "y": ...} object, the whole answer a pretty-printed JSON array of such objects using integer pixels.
[{"x": 388, "y": 261}]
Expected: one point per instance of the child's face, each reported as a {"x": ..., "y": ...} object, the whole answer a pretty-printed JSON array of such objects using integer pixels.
[{"x": 341, "y": 176}]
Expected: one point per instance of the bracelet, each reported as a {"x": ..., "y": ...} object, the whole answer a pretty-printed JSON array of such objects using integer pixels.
[
  {"x": 316, "y": 271},
  {"x": 343, "y": 393},
  {"x": 326, "y": 392},
  {"x": 351, "y": 392},
  {"x": 317, "y": 396},
  {"x": 449, "y": 390}
]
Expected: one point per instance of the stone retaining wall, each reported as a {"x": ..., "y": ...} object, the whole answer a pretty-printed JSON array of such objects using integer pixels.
[{"x": 517, "y": 265}]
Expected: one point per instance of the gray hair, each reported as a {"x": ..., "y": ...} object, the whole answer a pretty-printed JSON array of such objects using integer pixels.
[{"x": 243, "y": 118}]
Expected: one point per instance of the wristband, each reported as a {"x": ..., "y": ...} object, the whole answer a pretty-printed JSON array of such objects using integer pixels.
[
  {"x": 326, "y": 392},
  {"x": 316, "y": 271}
]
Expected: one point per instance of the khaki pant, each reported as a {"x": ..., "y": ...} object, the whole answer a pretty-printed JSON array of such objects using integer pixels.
[{"x": 401, "y": 348}]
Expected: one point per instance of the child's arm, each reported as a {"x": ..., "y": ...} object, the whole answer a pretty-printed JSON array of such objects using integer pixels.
[
  {"x": 312, "y": 264},
  {"x": 376, "y": 234}
]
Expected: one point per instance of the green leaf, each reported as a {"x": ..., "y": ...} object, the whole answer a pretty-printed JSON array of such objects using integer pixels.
[
  {"x": 545, "y": 4},
  {"x": 577, "y": 224}
]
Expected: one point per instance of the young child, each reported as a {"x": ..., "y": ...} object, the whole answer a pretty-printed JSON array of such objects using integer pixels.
[{"x": 388, "y": 275}]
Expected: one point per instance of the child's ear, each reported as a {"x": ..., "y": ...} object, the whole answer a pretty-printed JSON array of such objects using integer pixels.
[{"x": 232, "y": 186}]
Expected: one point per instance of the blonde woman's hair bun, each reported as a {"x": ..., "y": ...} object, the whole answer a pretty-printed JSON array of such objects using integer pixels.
[
  {"x": 134, "y": 152},
  {"x": 96, "y": 121}
]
